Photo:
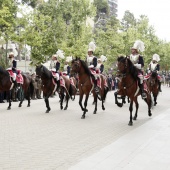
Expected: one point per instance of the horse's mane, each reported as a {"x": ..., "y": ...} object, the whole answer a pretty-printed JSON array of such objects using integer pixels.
[
  {"x": 47, "y": 72},
  {"x": 84, "y": 65},
  {"x": 132, "y": 69},
  {"x": 154, "y": 74},
  {"x": 3, "y": 71}
]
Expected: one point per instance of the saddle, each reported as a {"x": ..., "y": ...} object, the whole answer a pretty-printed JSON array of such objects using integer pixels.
[{"x": 19, "y": 77}]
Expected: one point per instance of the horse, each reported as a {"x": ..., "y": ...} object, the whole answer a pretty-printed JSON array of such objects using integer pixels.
[
  {"x": 153, "y": 84},
  {"x": 6, "y": 84},
  {"x": 86, "y": 85},
  {"x": 49, "y": 87},
  {"x": 129, "y": 87}
]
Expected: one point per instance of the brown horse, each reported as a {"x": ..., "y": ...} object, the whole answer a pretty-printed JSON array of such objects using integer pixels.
[
  {"x": 6, "y": 85},
  {"x": 153, "y": 84},
  {"x": 129, "y": 86},
  {"x": 48, "y": 87},
  {"x": 86, "y": 85}
]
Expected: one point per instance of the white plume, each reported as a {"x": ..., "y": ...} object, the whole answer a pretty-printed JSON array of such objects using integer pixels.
[
  {"x": 139, "y": 45},
  {"x": 60, "y": 54},
  {"x": 69, "y": 59},
  {"x": 103, "y": 58},
  {"x": 92, "y": 46},
  {"x": 156, "y": 57}
]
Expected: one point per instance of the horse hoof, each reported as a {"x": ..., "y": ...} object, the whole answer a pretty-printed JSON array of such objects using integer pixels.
[
  {"x": 8, "y": 108},
  {"x": 93, "y": 103},
  {"x": 94, "y": 112},
  {"x": 134, "y": 118},
  {"x": 82, "y": 117},
  {"x": 130, "y": 124},
  {"x": 28, "y": 105},
  {"x": 86, "y": 110},
  {"x": 61, "y": 108},
  {"x": 19, "y": 105},
  {"x": 65, "y": 108},
  {"x": 150, "y": 114},
  {"x": 119, "y": 104},
  {"x": 47, "y": 111},
  {"x": 103, "y": 108}
]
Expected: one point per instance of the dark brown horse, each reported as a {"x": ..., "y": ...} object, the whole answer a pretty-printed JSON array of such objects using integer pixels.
[
  {"x": 6, "y": 85},
  {"x": 48, "y": 87},
  {"x": 153, "y": 84},
  {"x": 86, "y": 85},
  {"x": 129, "y": 87}
]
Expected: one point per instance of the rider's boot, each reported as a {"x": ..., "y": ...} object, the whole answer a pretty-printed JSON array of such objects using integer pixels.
[
  {"x": 96, "y": 88},
  {"x": 159, "y": 83},
  {"x": 143, "y": 94}
]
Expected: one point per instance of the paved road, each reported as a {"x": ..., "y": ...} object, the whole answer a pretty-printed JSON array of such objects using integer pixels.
[{"x": 34, "y": 140}]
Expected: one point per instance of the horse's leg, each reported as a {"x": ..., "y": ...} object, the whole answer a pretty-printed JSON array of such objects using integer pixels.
[
  {"x": 22, "y": 99},
  {"x": 47, "y": 103},
  {"x": 116, "y": 100},
  {"x": 80, "y": 101},
  {"x": 9, "y": 100},
  {"x": 155, "y": 99},
  {"x": 149, "y": 102},
  {"x": 137, "y": 107},
  {"x": 61, "y": 97},
  {"x": 95, "y": 100},
  {"x": 85, "y": 105},
  {"x": 103, "y": 99},
  {"x": 131, "y": 109},
  {"x": 67, "y": 99}
]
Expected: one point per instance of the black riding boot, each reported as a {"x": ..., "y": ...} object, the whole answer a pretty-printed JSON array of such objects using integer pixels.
[
  {"x": 143, "y": 94},
  {"x": 159, "y": 83},
  {"x": 58, "y": 84},
  {"x": 96, "y": 89}
]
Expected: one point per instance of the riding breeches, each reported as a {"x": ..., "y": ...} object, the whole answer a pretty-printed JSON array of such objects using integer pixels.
[{"x": 140, "y": 76}]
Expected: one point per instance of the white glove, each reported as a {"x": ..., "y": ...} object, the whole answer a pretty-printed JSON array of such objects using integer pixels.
[
  {"x": 91, "y": 66},
  {"x": 138, "y": 66}
]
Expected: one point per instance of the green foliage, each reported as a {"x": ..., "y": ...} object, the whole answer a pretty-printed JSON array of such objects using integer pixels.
[{"x": 61, "y": 24}]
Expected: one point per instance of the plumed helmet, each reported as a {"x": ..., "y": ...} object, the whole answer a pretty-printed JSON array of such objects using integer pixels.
[
  {"x": 92, "y": 46},
  {"x": 103, "y": 58},
  {"x": 156, "y": 57},
  {"x": 139, "y": 46},
  {"x": 69, "y": 59},
  {"x": 60, "y": 54}
]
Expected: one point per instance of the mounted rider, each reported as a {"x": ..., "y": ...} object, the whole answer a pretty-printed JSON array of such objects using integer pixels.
[
  {"x": 91, "y": 61},
  {"x": 55, "y": 66},
  {"x": 100, "y": 65},
  {"x": 12, "y": 67},
  {"x": 67, "y": 67},
  {"x": 155, "y": 67},
  {"x": 138, "y": 62}
]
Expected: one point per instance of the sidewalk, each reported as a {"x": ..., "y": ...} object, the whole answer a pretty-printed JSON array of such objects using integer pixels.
[{"x": 144, "y": 148}]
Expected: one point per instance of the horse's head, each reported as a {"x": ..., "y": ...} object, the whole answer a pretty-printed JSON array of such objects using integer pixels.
[
  {"x": 39, "y": 70},
  {"x": 153, "y": 78},
  {"x": 75, "y": 66},
  {"x": 122, "y": 64}
]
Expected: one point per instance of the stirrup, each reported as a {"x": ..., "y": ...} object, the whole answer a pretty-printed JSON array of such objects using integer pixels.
[
  {"x": 96, "y": 89},
  {"x": 143, "y": 95}
]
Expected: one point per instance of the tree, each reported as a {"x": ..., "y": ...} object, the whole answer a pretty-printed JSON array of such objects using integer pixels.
[{"x": 128, "y": 20}]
